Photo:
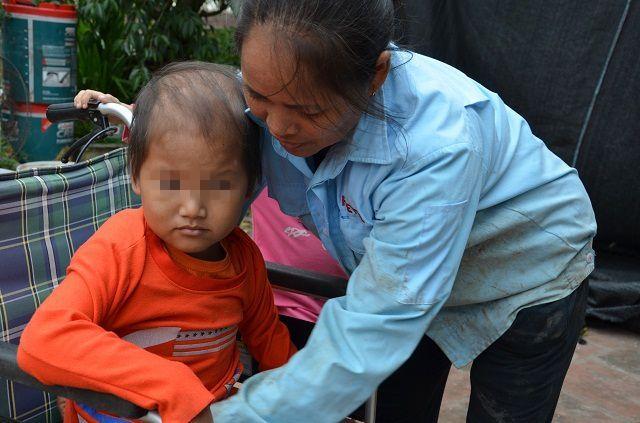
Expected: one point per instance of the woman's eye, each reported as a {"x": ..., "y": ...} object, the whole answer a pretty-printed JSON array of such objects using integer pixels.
[
  {"x": 256, "y": 96},
  {"x": 310, "y": 115}
]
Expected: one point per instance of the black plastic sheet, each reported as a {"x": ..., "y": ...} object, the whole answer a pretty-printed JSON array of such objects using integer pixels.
[
  {"x": 572, "y": 69},
  {"x": 614, "y": 291}
]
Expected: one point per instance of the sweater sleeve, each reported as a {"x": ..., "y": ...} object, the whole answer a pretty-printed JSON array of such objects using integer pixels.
[
  {"x": 266, "y": 337},
  {"x": 64, "y": 344}
]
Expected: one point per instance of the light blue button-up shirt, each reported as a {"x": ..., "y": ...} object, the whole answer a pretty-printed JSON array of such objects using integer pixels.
[{"x": 449, "y": 220}]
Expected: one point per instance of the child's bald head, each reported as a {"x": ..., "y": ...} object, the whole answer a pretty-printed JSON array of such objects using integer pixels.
[{"x": 195, "y": 99}]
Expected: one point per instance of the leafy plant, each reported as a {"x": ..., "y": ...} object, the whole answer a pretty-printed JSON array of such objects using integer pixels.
[
  {"x": 120, "y": 43},
  {"x": 102, "y": 65},
  {"x": 8, "y": 158}
]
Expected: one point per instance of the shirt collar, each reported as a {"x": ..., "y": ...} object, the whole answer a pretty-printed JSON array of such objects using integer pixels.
[{"x": 369, "y": 142}]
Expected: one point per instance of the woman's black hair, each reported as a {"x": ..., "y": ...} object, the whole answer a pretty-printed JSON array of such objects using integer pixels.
[
  {"x": 195, "y": 96},
  {"x": 336, "y": 42}
]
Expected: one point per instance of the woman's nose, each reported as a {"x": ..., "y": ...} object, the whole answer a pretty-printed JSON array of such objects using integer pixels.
[
  {"x": 280, "y": 124},
  {"x": 192, "y": 206}
]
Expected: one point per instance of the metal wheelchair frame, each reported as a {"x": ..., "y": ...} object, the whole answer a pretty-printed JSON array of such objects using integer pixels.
[{"x": 282, "y": 277}]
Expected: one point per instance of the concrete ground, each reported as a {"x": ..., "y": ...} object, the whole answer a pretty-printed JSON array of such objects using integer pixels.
[{"x": 602, "y": 385}]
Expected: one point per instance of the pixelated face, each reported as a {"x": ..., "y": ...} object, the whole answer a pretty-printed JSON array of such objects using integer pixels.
[
  {"x": 192, "y": 194},
  {"x": 301, "y": 118}
]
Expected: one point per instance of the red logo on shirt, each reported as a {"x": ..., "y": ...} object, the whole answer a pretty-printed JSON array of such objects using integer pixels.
[{"x": 351, "y": 209}]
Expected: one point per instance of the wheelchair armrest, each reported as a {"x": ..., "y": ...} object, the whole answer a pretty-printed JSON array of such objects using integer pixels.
[
  {"x": 9, "y": 369},
  {"x": 306, "y": 282},
  {"x": 284, "y": 277}
]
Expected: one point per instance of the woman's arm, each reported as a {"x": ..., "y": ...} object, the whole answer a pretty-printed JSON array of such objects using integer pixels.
[
  {"x": 83, "y": 97},
  {"x": 425, "y": 214}
]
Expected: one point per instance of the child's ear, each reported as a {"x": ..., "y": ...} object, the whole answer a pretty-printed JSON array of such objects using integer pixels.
[
  {"x": 250, "y": 188},
  {"x": 135, "y": 185},
  {"x": 249, "y": 193}
]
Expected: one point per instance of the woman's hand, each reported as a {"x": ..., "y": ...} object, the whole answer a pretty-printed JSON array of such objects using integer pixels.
[
  {"x": 205, "y": 416},
  {"x": 81, "y": 100}
]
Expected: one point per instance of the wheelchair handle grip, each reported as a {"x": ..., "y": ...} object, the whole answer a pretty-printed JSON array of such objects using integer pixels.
[
  {"x": 97, "y": 113},
  {"x": 117, "y": 110},
  {"x": 66, "y": 111}
]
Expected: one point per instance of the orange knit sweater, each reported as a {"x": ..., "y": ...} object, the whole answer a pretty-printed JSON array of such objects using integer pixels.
[{"x": 128, "y": 320}]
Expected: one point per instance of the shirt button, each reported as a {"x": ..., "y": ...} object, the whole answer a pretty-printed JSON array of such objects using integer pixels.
[{"x": 590, "y": 258}]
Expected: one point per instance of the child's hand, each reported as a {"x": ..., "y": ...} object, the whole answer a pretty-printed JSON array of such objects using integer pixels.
[
  {"x": 204, "y": 417},
  {"x": 81, "y": 100},
  {"x": 62, "y": 405}
]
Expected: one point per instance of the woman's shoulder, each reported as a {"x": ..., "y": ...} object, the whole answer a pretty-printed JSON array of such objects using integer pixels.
[
  {"x": 427, "y": 101},
  {"x": 429, "y": 80}
]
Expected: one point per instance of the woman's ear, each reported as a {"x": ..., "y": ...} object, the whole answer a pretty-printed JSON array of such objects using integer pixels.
[{"x": 383, "y": 65}]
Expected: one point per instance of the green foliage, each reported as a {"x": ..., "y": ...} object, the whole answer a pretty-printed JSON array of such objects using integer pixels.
[
  {"x": 8, "y": 157},
  {"x": 120, "y": 43}
]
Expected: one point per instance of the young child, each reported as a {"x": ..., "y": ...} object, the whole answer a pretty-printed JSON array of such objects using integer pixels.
[{"x": 152, "y": 302}]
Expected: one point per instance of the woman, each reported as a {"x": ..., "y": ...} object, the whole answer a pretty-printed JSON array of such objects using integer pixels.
[{"x": 464, "y": 237}]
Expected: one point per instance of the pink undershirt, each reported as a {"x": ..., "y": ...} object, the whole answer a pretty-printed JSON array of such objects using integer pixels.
[{"x": 284, "y": 240}]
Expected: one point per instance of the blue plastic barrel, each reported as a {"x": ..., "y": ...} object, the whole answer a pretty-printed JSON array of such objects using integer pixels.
[
  {"x": 31, "y": 134},
  {"x": 39, "y": 47}
]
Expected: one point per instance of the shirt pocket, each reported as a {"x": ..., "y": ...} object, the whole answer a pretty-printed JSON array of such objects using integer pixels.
[{"x": 354, "y": 230}]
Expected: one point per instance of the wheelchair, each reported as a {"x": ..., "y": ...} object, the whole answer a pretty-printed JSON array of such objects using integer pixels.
[{"x": 45, "y": 215}]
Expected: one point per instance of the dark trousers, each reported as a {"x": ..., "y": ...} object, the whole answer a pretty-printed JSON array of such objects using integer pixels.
[{"x": 517, "y": 379}]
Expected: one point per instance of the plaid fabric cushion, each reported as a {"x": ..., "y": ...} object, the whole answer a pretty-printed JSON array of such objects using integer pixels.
[{"x": 45, "y": 215}]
